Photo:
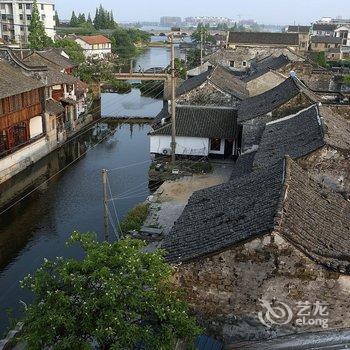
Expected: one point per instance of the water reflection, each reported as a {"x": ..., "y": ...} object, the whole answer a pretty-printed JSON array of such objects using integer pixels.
[{"x": 39, "y": 226}]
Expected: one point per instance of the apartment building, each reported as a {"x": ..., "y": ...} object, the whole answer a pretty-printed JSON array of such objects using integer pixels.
[{"x": 15, "y": 17}]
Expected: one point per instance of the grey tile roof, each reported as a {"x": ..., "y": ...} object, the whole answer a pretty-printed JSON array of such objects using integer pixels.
[
  {"x": 298, "y": 29},
  {"x": 268, "y": 101},
  {"x": 53, "y": 74},
  {"x": 225, "y": 80},
  {"x": 208, "y": 122},
  {"x": 192, "y": 83},
  {"x": 54, "y": 55},
  {"x": 221, "y": 77},
  {"x": 295, "y": 136},
  {"x": 14, "y": 82},
  {"x": 260, "y": 38},
  {"x": 325, "y": 39},
  {"x": 324, "y": 27},
  {"x": 53, "y": 107},
  {"x": 263, "y": 66},
  {"x": 314, "y": 220},
  {"x": 243, "y": 165},
  {"x": 222, "y": 216}
]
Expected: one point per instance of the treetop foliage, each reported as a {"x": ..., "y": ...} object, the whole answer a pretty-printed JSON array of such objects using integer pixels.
[{"x": 116, "y": 297}]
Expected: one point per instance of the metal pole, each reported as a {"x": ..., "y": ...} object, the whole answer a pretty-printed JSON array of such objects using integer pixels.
[
  {"x": 173, "y": 103},
  {"x": 201, "y": 49},
  {"x": 105, "y": 204}
]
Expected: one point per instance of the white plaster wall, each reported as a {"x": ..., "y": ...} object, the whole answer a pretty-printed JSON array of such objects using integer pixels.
[
  {"x": 19, "y": 160},
  {"x": 194, "y": 146},
  {"x": 36, "y": 126},
  {"x": 89, "y": 51}
]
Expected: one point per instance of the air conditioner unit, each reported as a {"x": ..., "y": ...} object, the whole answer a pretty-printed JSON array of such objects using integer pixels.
[{"x": 166, "y": 151}]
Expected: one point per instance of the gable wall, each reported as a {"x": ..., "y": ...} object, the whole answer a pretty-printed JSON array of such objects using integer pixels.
[{"x": 224, "y": 290}]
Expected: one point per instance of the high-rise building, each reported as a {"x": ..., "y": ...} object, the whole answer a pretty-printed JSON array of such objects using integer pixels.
[
  {"x": 15, "y": 17},
  {"x": 168, "y": 21}
]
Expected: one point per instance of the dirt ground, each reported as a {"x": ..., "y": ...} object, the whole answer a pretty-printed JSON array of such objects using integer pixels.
[{"x": 172, "y": 197}]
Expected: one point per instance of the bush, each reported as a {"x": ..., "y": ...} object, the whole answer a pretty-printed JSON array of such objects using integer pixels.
[{"x": 135, "y": 218}]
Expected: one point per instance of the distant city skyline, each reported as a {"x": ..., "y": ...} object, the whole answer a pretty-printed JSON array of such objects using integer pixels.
[{"x": 264, "y": 12}]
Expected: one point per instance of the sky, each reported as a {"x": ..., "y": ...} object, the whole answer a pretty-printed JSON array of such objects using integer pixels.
[{"x": 263, "y": 11}]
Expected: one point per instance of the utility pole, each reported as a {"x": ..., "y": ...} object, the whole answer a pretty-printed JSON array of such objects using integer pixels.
[
  {"x": 173, "y": 103},
  {"x": 201, "y": 48},
  {"x": 105, "y": 204}
]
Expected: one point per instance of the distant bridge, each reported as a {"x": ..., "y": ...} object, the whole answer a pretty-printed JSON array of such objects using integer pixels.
[
  {"x": 182, "y": 32},
  {"x": 142, "y": 76}
]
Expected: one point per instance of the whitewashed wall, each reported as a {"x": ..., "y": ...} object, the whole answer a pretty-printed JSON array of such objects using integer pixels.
[
  {"x": 98, "y": 50},
  {"x": 36, "y": 126},
  {"x": 193, "y": 146}
]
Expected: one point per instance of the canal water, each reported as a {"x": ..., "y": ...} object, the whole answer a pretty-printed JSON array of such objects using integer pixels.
[{"x": 39, "y": 225}]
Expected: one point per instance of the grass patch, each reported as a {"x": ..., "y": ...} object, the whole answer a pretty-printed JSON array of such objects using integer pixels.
[{"x": 135, "y": 218}]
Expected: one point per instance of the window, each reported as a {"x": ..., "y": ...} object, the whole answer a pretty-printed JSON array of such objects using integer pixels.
[
  {"x": 2, "y": 6},
  {"x": 215, "y": 144},
  {"x": 244, "y": 63},
  {"x": 20, "y": 6},
  {"x": 42, "y": 7},
  {"x": 43, "y": 17},
  {"x": 232, "y": 63},
  {"x": 28, "y": 7},
  {"x": 22, "y": 29},
  {"x": 3, "y": 17},
  {"x": 21, "y": 17},
  {"x": 29, "y": 17}
]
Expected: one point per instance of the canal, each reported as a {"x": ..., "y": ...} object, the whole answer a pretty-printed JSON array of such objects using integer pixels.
[{"x": 38, "y": 226}]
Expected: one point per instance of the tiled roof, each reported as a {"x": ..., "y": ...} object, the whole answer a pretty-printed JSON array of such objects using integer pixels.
[
  {"x": 208, "y": 122},
  {"x": 53, "y": 107},
  {"x": 298, "y": 29},
  {"x": 263, "y": 66},
  {"x": 54, "y": 74},
  {"x": 268, "y": 101},
  {"x": 243, "y": 165},
  {"x": 315, "y": 221},
  {"x": 222, "y": 216},
  {"x": 192, "y": 83},
  {"x": 324, "y": 27},
  {"x": 295, "y": 136},
  {"x": 225, "y": 80},
  {"x": 14, "y": 82},
  {"x": 219, "y": 76},
  {"x": 54, "y": 55},
  {"x": 260, "y": 38},
  {"x": 95, "y": 39},
  {"x": 325, "y": 39}
]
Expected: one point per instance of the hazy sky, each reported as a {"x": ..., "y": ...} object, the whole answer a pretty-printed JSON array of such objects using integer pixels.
[{"x": 263, "y": 11}]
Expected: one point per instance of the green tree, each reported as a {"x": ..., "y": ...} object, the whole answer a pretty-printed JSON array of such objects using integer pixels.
[
  {"x": 74, "y": 20},
  {"x": 81, "y": 19},
  {"x": 193, "y": 58},
  {"x": 180, "y": 68},
  {"x": 321, "y": 59},
  {"x": 37, "y": 38},
  {"x": 57, "y": 20},
  {"x": 346, "y": 80},
  {"x": 117, "y": 297},
  {"x": 72, "y": 49},
  {"x": 203, "y": 31},
  {"x": 89, "y": 20}
]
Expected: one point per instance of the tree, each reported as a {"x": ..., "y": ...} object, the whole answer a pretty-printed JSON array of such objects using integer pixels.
[
  {"x": 81, "y": 19},
  {"x": 203, "y": 31},
  {"x": 193, "y": 58},
  {"x": 346, "y": 80},
  {"x": 57, "y": 20},
  {"x": 37, "y": 38},
  {"x": 74, "y": 20},
  {"x": 72, "y": 49},
  {"x": 321, "y": 59},
  {"x": 89, "y": 20},
  {"x": 117, "y": 297}
]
